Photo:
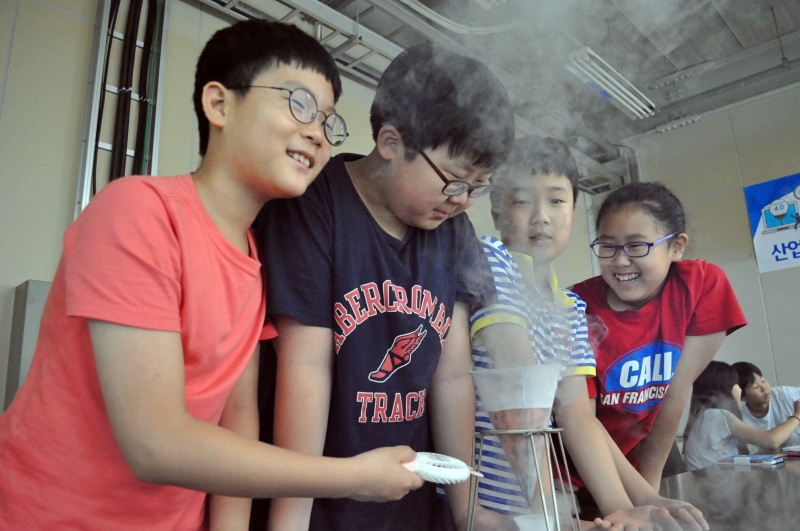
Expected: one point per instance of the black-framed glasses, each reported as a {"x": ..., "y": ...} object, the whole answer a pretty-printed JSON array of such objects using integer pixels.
[
  {"x": 631, "y": 249},
  {"x": 303, "y": 106},
  {"x": 453, "y": 187}
]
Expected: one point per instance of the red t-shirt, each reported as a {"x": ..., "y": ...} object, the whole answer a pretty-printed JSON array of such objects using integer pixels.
[
  {"x": 637, "y": 351},
  {"x": 144, "y": 254}
]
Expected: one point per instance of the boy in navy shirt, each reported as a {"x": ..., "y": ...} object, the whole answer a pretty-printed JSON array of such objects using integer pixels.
[{"x": 372, "y": 273}]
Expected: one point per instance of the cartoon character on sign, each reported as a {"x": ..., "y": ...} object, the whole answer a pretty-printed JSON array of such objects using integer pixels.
[{"x": 399, "y": 355}]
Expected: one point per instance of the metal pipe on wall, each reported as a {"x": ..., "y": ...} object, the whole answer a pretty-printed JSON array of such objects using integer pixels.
[
  {"x": 95, "y": 92},
  {"x": 119, "y": 145}
]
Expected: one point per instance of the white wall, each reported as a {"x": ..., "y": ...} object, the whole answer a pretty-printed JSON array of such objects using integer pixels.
[
  {"x": 45, "y": 52},
  {"x": 707, "y": 165}
]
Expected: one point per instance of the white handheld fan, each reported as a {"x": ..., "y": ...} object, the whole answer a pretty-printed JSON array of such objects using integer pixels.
[{"x": 438, "y": 468}]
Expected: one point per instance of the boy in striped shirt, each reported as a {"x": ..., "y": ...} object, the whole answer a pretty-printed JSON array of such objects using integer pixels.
[{"x": 534, "y": 321}]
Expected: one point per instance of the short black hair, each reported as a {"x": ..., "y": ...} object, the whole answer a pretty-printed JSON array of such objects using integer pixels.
[
  {"x": 236, "y": 55},
  {"x": 747, "y": 374},
  {"x": 535, "y": 156},
  {"x": 435, "y": 98},
  {"x": 713, "y": 389},
  {"x": 653, "y": 198}
]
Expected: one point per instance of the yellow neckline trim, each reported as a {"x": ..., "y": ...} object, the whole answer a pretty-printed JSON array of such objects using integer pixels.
[{"x": 525, "y": 264}]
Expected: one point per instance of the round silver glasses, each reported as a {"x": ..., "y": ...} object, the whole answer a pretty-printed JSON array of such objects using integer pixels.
[
  {"x": 304, "y": 108},
  {"x": 631, "y": 249}
]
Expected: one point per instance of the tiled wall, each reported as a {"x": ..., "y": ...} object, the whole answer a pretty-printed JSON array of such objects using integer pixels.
[
  {"x": 45, "y": 53},
  {"x": 707, "y": 165}
]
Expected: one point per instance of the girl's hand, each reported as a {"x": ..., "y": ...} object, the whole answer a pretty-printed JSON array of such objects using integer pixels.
[
  {"x": 797, "y": 408},
  {"x": 643, "y": 518},
  {"x": 685, "y": 513}
]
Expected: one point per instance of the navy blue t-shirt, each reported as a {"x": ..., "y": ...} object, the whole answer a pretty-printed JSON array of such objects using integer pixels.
[{"x": 389, "y": 304}]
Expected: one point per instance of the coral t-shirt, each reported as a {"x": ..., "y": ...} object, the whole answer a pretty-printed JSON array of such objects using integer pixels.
[
  {"x": 637, "y": 351},
  {"x": 143, "y": 254}
]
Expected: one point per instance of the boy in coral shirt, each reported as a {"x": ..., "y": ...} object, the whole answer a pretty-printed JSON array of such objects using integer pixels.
[{"x": 142, "y": 393}]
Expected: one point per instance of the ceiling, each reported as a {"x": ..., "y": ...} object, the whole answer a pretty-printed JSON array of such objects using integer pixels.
[{"x": 688, "y": 56}]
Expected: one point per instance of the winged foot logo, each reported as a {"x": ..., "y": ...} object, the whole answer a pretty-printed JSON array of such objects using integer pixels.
[{"x": 399, "y": 355}]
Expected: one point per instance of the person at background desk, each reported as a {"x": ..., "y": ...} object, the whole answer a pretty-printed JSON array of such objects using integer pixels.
[
  {"x": 765, "y": 407},
  {"x": 371, "y": 276},
  {"x": 715, "y": 428}
]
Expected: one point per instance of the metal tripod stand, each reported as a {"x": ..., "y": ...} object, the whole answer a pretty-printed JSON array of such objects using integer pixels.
[{"x": 549, "y": 435}]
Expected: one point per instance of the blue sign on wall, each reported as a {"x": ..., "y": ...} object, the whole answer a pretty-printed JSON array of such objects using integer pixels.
[{"x": 774, "y": 211}]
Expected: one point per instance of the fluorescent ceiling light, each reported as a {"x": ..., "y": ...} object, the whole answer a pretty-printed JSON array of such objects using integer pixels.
[
  {"x": 455, "y": 27},
  {"x": 592, "y": 70}
]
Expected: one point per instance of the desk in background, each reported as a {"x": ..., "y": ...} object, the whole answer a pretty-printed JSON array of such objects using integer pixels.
[{"x": 741, "y": 498}]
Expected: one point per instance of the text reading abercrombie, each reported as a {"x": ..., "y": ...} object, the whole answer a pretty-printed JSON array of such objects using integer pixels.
[{"x": 368, "y": 301}]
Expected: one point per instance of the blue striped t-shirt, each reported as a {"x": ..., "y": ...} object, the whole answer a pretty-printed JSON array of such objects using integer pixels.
[{"x": 557, "y": 332}]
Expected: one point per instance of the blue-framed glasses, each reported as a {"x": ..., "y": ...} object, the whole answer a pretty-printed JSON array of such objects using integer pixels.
[
  {"x": 304, "y": 108},
  {"x": 631, "y": 249}
]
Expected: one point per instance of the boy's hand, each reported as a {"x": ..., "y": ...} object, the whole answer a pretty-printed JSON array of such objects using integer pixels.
[
  {"x": 689, "y": 516},
  {"x": 381, "y": 475}
]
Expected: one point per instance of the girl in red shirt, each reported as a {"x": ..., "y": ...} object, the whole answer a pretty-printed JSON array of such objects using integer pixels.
[{"x": 659, "y": 320}]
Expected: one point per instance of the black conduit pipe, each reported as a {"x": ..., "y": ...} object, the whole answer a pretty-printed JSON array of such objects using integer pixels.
[
  {"x": 112, "y": 21},
  {"x": 122, "y": 121},
  {"x": 141, "y": 156}
]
